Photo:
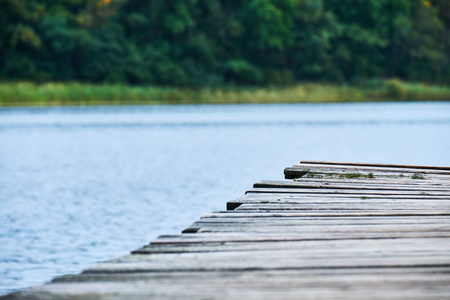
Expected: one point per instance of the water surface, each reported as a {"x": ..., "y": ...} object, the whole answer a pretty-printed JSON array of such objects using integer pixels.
[{"x": 82, "y": 185}]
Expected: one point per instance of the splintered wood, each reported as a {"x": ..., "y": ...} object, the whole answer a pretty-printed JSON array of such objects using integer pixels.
[{"x": 336, "y": 231}]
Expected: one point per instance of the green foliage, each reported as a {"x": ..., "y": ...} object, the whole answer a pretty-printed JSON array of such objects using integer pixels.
[
  {"x": 310, "y": 174},
  {"x": 31, "y": 94},
  {"x": 396, "y": 89},
  {"x": 212, "y": 43},
  {"x": 240, "y": 71},
  {"x": 418, "y": 176}
]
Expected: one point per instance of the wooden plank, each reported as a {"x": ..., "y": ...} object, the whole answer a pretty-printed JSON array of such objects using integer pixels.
[
  {"x": 262, "y": 238},
  {"x": 315, "y": 221},
  {"x": 233, "y": 205},
  {"x": 352, "y": 185},
  {"x": 280, "y": 195},
  {"x": 281, "y": 260},
  {"x": 373, "y": 169},
  {"x": 422, "y": 205},
  {"x": 272, "y": 260},
  {"x": 348, "y": 191},
  {"x": 378, "y": 181},
  {"x": 287, "y": 290},
  {"x": 375, "y": 165},
  {"x": 380, "y": 283},
  {"x": 321, "y": 230},
  {"x": 333, "y": 172},
  {"x": 417, "y": 244},
  {"x": 303, "y": 275},
  {"x": 332, "y": 199},
  {"x": 325, "y": 213},
  {"x": 350, "y": 226},
  {"x": 317, "y": 201},
  {"x": 350, "y": 205},
  {"x": 329, "y": 221}
]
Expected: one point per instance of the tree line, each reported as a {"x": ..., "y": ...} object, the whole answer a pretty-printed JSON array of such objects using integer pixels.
[{"x": 224, "y": 42}]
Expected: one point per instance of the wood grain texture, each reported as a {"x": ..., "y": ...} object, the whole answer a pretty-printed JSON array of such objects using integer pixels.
[
  {"x": 368, "y": 196},
  {"x": 375, "y": 165},
  {"x": 336, "y": 171},
  {"x": 353, "y": 168},
  {"x": 360, "y": 191},
  {"x": 322, "y": 237},
  {"x": 366, "y": 185}
]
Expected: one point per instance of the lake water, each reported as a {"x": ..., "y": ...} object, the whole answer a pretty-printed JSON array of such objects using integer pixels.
[{"x": 82, "y": 185}]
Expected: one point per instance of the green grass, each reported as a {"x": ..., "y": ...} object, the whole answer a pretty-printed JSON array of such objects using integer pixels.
[
  {"x": 418, "y": 176},
  {"x": 356, "y": 175},
  {"x": 309, "y": 174},
  {"x": 60, "y": 94}
]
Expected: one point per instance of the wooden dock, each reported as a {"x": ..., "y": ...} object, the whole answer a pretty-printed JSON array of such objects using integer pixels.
[{"x": 336, "y": 231}]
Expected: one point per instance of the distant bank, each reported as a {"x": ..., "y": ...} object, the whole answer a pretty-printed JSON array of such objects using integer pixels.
[{"x": 79, "y": 94}]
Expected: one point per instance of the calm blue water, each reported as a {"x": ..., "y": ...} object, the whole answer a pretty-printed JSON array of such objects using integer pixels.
[{"x": 82, "y": 185}]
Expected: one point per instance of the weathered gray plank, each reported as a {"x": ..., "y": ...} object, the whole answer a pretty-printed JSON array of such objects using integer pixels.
[
  {"x": 326, "y": 200},
  {"x": 300, "y": 274},
  {"x": 385, "y": 169},
  {"x": 327, "y": 221},
  {"x": 325, "y": 230},
  {"x": 325, "y": 213},
  {"x": 355, "y": 203},
  {"x": 377, "y": 181},
  {"x": 322, "y": 198},
  {"x": 267, "y": 237},
  {"x": 281, "y": 260},
  {"x": 375, "y": 165},
  {"x": 300, "y": 171},
  {"x": 278, "y": 195},
  {"x": 349, "y": 191},
  {"x": 413, "y": 244},
  {"x": 351, "y": 185},
  {"x": 422, "y": 205},
  {"x": 315, "y": 221},
  {"x": 393, "y": 283}
]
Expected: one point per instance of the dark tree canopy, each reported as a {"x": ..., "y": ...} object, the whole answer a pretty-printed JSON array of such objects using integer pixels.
[{"x": 218, "y": 42}]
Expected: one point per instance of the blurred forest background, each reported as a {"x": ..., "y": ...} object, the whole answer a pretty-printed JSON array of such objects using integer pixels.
[{"x": 217, "y": 43}]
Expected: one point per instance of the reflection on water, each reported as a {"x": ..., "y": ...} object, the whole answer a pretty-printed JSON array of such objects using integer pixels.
[{"x": 81, "y": 185}]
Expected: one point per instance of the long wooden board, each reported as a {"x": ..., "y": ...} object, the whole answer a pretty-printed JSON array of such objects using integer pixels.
[
  {"x": 349, "y": 185},
  {"x": 374, "y": 165},
  {"x": 349, "y": 191},
  {"x": 352, "y": 168}
]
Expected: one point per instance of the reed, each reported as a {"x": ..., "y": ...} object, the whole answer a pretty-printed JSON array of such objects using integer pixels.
[{"x": 79, "y": 94}]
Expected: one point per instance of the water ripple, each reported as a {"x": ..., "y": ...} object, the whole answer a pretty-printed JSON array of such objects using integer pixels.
[{"x": 151, "y": 125}]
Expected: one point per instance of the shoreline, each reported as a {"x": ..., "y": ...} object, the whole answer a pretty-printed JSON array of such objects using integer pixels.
[{"x": 27, "y": 94}]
